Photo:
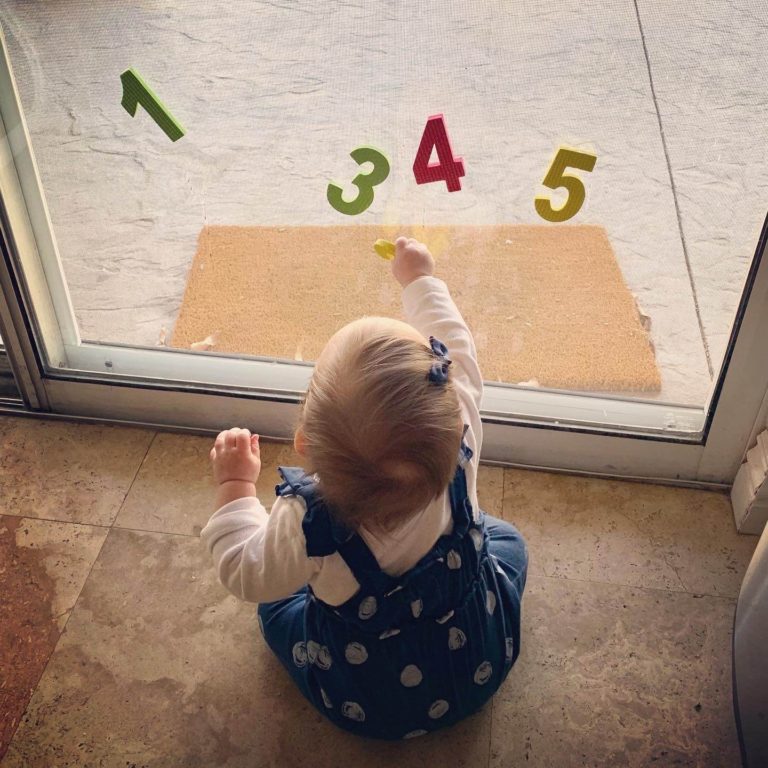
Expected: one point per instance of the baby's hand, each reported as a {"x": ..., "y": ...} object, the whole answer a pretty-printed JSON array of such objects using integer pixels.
[
  {"x": 236, "y": 456},
  {"x": 412, "y": 260}
]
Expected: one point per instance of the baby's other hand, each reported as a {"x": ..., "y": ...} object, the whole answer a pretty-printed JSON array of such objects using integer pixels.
[
  {"x": 236, "y": 456},
  {"x": 412, "y": 260}
]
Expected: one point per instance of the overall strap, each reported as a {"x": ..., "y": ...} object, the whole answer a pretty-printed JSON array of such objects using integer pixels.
[
  {"x": 461, "y": 506},
  {"x": 364, "y": 565},
  {"x": 325, "y": 535},
  {"x": 321, "y": 531},
  {"x": 361, "y": 560}
]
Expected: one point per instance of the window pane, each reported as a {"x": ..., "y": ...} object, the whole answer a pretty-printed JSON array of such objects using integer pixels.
[{"x": 224, "y": 240}]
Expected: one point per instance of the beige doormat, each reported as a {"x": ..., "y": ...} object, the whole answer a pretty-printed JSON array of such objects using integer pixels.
[{"x": 546, "y": 304}]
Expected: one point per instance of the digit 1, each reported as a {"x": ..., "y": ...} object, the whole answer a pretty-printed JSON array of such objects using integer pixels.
[
  {"x": 448, "y": 168},
  {"x": 135, "y": 92}
]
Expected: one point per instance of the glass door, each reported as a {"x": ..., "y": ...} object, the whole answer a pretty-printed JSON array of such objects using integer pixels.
[
  {"x": 9, "y": 393},
  {"x": 192, "y": 194}
]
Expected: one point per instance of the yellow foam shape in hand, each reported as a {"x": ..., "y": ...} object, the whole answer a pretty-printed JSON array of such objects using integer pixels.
[{"x": 385, "y": 249}]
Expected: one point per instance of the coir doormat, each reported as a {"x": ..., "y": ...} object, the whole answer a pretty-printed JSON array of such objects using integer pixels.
[{"x": 547, "y": 305}]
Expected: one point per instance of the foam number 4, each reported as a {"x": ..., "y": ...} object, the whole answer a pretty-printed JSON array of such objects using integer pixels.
[
  {"x": 448, "y": 168},
  {"x": 555, "y": 178},
  {"x": 365, "y": 182},
  {"x": 135, "y": 92}
]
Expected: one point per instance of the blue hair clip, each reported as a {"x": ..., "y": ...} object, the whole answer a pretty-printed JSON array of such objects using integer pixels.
[{"x": 438, "y": 373}]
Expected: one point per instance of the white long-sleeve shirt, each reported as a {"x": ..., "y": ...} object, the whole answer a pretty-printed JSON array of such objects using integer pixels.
[{"x": 262, "y": 557}]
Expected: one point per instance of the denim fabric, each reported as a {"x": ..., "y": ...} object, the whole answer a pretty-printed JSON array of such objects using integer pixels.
[{"x": 410, "y": 654}]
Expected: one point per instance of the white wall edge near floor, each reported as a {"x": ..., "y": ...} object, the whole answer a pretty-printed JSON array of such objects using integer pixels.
[{"x": 749, "y": 494}]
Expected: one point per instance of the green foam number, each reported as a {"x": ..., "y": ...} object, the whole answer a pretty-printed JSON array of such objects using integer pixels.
[
  {"x": 135, "y": 92},
  {"x": 365, "y": 182},
  {"x": 555, "y": 178}
]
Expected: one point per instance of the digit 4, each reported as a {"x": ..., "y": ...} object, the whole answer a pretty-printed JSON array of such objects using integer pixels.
[
  {"x": 136, "y": 91},
  {"x": 448, "y": 168}
]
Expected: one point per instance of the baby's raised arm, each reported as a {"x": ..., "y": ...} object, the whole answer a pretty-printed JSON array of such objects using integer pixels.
[{"x": 429, "y": 308}]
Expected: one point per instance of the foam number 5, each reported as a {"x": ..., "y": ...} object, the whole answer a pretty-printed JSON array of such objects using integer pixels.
[
  {"x": 365, "y": 182},
  {"x": 555, "y": 178}
]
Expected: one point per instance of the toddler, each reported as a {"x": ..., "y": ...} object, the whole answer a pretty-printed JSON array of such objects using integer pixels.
[{"x": 390, "y": 597}]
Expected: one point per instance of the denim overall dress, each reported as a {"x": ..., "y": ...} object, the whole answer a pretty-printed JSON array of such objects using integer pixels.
[{"x": 410, "y": 654}]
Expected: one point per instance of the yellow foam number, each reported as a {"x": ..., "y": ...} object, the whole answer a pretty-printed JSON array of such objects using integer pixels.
[
  {"x": 555, "y": 178},
  {"x": 365, "y": 182},
  {"x": 385, "y": 249}
]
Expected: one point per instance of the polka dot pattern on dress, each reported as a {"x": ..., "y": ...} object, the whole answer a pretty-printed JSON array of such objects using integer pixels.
[
  {"x": 453, "y": 560},
  {"x": 417, "y": 701},
  {"x": 483, "y": 673},
  {"x": 355, "y": 653},
  {"x": 438, "y": 709},
  {"x": 367, "y": 607},
  {"x": 456, "y": 639},
  {"x": 323, "y": 658},
  {"x": 353, "y": 711},
  {"x": 313, "y": 649},
  {"x": 411, "y": 676},
  {"x": 300, "y": 654}
]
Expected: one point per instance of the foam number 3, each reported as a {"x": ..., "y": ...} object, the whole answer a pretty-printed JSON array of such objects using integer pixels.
[
  {"x": 555, "y": 178},
  {"x": 365, "y": 182}
]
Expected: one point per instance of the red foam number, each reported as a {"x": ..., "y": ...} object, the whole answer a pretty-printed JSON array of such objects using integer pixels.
[{"x": 447, "y": 168}]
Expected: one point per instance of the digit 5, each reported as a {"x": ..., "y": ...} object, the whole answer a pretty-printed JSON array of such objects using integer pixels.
[{"x": 555, "y": 178}]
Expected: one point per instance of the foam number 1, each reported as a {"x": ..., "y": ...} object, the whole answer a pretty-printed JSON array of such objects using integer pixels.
[
  {"x": 365, "y": 182},
  {"x": 135, "y": 92},
  {"x": 555, "y": 178}
]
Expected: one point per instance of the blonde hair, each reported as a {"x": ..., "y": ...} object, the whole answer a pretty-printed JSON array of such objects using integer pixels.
[{"x": 382, "y": 438}]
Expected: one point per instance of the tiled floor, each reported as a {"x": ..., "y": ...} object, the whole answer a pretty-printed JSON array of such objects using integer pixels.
[{"x": 125, "y": 651}]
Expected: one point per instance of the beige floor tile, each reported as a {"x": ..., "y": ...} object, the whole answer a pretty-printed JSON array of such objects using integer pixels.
[
  {"x": 628, "y": 533},
  {"x": 43, "y": 566},
  {"x": 611, "y": 675},
  {"x": 695, "y": 533},
  {"x": 77, "y": 473},
  {"x": 163, "y": 668},
  {"x": 174, "y": 490}
]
